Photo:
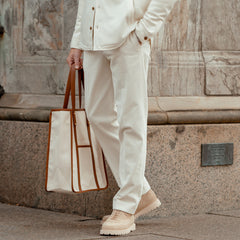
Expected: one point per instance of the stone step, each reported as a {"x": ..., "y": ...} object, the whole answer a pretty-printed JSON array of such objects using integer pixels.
[
  {"x": 162, "y": 110},
  {"x": 156, "y": 104}
]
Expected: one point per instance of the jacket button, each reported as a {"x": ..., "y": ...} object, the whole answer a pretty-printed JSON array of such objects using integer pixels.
[
  {"x": 90, "y": 28},
  {"x": 92, "y": 8},
  {"x": 145, "y": 38}
]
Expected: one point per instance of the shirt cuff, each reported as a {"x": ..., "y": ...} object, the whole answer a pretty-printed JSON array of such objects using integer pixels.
[
  {"x": 75, "y": 43},
  {"x": 141, "y": 33}
]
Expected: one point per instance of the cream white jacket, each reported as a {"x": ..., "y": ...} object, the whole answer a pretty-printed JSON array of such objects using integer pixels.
[{"x": 105, "y": 24}]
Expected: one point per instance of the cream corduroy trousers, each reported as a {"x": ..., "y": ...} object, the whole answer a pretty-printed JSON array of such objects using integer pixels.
[{"x": 116, "y": 104}]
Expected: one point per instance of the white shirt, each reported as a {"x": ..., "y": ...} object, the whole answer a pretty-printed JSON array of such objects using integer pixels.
[{"x": 105, "y": 24}]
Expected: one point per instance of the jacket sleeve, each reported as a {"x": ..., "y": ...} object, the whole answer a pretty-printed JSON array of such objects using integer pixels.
[
  {"x": 75, "y": 42},
  {"x": 153, "y": 18}
]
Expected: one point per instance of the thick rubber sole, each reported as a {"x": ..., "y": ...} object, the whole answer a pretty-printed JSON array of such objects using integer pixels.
[
  {"x": 118, "y": 232},
  {"x": 145, "y": 210}
]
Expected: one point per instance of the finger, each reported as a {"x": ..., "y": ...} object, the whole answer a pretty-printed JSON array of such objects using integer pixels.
[
  {"x": 77, "y": 62},
  {"x": 69, "y": 61}
]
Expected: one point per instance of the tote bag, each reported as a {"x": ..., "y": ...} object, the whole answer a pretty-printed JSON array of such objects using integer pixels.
[{"x": 75, "y": 160}]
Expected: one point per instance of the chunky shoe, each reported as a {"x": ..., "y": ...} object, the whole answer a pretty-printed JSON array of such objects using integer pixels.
[
  {"x": 118, "y": 223},
  {"x": 148, "y": 202}
]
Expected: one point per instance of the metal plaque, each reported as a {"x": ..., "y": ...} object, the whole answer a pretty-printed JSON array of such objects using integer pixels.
[{"x": 215, "y": 154}]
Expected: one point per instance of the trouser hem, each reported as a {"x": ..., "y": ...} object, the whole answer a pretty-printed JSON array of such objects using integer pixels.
[{"x": 119, "y": 205}]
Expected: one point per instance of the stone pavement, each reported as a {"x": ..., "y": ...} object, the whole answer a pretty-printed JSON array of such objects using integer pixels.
[{"x": 22, "y": 223}]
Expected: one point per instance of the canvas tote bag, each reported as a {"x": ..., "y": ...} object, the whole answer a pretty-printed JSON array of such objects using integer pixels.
[{"x": 75, "y": 160}]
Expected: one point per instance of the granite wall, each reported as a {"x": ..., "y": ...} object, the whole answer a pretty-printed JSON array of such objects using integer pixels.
[{"x": 173, "y": 169}]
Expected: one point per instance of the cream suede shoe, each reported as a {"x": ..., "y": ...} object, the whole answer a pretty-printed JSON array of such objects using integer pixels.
[
  {"x": 148, "y": 202},
  {"x": 118, "y": 223}
]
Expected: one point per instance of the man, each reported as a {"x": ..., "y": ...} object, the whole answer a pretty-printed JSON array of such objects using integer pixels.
[{"x": 114, "y": 37}]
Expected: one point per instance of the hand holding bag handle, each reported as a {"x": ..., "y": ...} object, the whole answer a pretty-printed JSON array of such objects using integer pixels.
[{"x": 71, "y": 84}]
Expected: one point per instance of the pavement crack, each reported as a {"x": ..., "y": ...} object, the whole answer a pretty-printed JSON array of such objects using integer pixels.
[
  {"x": 170, "y": 236},
  {"x": 85, "y": 220},
  {"x": 223, "y": 215}
]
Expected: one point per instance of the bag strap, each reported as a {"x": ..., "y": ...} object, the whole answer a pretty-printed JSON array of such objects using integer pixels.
[{"x": 71, "y": 87}]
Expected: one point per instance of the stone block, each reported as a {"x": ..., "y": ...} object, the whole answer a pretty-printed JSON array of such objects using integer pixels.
[
  {"x": 173, "y": 169},
  {"x": 220, "y": 25},
  {"x": 42, "y": 26},
  {"x": 222, "y": 73},
  {"x": 173, "y": 73}
]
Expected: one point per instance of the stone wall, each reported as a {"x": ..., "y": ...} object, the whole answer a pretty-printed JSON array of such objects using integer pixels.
[
  {"x": 196, "y": 53},
  {"x": 199, "y": 53}
]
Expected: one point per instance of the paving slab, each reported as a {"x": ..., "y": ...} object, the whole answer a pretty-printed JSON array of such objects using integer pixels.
[
  {"x": 22, "y": 223},
  {"x": 197, "y": 227}
]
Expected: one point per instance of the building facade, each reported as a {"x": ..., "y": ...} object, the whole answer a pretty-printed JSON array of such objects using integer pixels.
[{"x": 193, "y": 89}]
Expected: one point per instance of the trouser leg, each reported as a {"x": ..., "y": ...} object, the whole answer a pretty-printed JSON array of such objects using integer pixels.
[
  {"x": 129, "y": 66},
  {"x": 100, "y": 107},
  {"x": 101, "y": 110}
]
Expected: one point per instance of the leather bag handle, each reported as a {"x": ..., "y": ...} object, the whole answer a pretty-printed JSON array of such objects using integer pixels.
[{"x": 71, "y": 87}]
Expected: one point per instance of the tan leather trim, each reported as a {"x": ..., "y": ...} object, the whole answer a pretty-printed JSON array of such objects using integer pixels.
[
  {"x": 67, "y": 109},
  {"x": 80, "y": 79},
  {"x": 71, "y": 79},
  {"x": 48, "y": 148},
  {"x": 67, "y": 92},
  {"x": 73, "y": 88},
  {"x": 93, "y": 159},
  {"x": 73, "y": 120},
  {"x": 71, "y": 135},
  {"x": 105, "y": 170}
]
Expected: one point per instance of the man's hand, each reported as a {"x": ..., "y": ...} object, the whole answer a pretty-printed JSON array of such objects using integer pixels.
[{"x": 74, "y": 57}]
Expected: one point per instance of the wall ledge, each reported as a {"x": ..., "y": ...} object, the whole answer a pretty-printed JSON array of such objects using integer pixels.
[{"x": 162, "y": 110}]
